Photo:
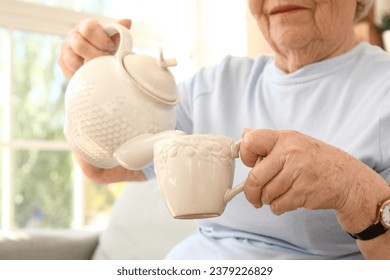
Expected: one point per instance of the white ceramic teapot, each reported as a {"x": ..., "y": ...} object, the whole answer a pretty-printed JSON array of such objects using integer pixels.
[{"x": 112, "y": 99}]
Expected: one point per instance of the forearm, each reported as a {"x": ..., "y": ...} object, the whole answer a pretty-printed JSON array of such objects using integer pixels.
[
  {"x": 377, "y": 248},
  {"x": 360, "y": 212}
]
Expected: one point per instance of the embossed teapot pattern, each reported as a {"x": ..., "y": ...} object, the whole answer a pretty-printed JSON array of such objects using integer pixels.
[{"x": 112, "y": 99}]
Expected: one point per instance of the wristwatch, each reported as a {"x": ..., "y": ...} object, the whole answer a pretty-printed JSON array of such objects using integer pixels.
[{"x": 380, "y": 226}]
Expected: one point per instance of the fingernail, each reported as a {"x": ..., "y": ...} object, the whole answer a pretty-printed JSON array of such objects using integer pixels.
[
  {"x": 276, "y": 213},
  {"x": 257, "y": 206},
  {"x": 111, "y": 47},
  {"x": 245, "y": 131}
]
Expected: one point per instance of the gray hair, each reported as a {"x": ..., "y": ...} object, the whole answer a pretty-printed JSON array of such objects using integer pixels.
[{"x": 363, "y": 6}]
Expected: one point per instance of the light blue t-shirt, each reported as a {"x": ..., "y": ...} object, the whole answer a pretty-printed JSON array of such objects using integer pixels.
[{"x": 344, "y": 101}]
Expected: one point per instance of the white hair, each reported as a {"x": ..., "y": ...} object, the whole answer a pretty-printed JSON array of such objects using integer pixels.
[{"x": 363, "y": 6}]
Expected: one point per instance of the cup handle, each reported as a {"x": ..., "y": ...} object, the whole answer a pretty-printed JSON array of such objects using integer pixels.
[
  {"x": 125, "y": 42},
  {"x": 233, "y": 192},
  {"x": 240, "y": 187}
]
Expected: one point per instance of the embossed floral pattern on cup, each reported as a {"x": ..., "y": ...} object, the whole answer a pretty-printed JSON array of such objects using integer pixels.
[{"x": 195, "y": 172}]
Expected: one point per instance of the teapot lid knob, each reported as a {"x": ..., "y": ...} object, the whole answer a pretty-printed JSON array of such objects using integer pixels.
[{"x": 165, "y": 63}]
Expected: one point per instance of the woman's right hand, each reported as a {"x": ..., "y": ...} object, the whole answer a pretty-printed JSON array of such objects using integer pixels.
[
  {"x": 108, "y": 176},
  {"x": 86, "y": 41}
]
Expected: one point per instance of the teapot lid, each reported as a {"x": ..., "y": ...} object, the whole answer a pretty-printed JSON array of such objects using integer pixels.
[{"x": 153, "y": 75}]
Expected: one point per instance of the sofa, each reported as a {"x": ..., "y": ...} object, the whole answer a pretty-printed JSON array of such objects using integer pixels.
[{"x": 140, "y": 228}]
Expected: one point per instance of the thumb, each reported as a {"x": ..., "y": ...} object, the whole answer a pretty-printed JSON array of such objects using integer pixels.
[
  {"x": 125, "y": 22},
  {"x": 246, "y": 130},
  {"x": 257, "y": 143}
]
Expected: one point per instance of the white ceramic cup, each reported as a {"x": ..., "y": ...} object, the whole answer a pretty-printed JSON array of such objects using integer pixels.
[{"x": 195, "y": 174}]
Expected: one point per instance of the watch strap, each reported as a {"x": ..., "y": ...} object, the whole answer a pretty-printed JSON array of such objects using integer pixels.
[{"x": 370, "y": 232}]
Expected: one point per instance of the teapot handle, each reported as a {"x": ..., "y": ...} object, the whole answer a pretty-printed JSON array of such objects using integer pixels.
[{"x": 125, "y": 42}]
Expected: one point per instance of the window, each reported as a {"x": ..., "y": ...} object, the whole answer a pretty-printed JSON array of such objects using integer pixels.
[{"x": 41, "y": 185}]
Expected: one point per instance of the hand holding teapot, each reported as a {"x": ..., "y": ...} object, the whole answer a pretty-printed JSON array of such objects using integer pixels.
[
  {"x": 85, "y": 42},
  {"x": 113, "y": 99}
]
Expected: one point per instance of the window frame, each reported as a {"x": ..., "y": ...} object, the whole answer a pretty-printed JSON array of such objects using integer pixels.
[{"x": 40, "y": 18}]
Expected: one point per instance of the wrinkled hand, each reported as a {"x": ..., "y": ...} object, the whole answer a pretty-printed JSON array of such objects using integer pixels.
[
  {"x": 298, "y": 171},
  {"x": 88, "y": 40}
]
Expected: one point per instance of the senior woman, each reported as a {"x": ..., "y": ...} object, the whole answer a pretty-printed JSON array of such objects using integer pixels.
[{"x": 321, "y": 109}]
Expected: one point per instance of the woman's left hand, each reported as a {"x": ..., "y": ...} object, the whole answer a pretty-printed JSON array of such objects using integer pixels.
[{"x": 298, "y": 171}]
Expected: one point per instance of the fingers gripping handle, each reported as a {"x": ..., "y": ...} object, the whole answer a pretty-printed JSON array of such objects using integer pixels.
[
  {"x": 234, "y": 191},
  {"x": 240, "y": 187},
  {"x": 125, "y": 42}
]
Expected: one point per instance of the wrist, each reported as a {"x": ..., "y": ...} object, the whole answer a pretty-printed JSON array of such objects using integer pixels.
[
  {"x": 360, "y": 209},
  {"x": 379, "y": 227}
]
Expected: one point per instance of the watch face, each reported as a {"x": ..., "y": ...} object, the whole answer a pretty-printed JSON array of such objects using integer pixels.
[{"x": 385, "y": 215}]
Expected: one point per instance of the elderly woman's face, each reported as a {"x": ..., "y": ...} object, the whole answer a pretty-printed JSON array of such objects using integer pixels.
[{"x": 294, "y": 23}]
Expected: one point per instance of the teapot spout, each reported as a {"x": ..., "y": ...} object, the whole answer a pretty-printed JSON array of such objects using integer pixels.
[{"x": 137, "y": 153}]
